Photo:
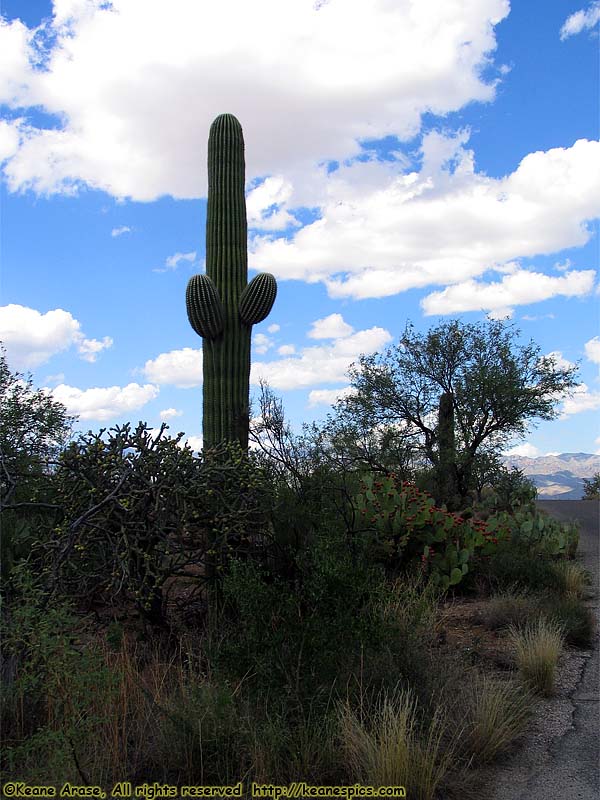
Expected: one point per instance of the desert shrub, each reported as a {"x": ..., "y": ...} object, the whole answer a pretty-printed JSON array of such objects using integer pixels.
[
  {"x": 512, "y": 568},
  {"x": 304, "y": 749},
  {"x": 530, "y": 546},
  {"x": 510, "y": 610},
  {"x": 536, "y": 532},
  {"x": 296, "y": 637},
  {"x": 58, "y": 696},
  {"x": 139, "y": 509},
  {"x": 591, "y": 487},
  {"x": 33, "y": 430},
  {"x": 201, "y": 735},
  {"x": 511, "y": 490}
]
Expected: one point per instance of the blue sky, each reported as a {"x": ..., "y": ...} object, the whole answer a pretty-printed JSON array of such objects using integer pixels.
[{"x": 405, "y": 160}]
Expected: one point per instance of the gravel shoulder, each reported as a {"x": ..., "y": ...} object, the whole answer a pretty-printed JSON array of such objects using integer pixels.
[{"x": 559, "y": 757}]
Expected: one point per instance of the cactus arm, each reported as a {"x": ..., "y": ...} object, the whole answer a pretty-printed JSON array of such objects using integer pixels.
[
  {"x": 204, "y": 307},
  {"x": 257, "y": 299}
]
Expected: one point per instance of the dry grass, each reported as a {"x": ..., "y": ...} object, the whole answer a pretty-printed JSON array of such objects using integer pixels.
[
  {"x": 388, "y": 749},
  {"x": 509, "y": 609},
  {"x": 572, "y": 578},
  {"x": 121, "y": 744},
  {"x": 497, "y": 712},
  {"x": 537, "y": 649}
]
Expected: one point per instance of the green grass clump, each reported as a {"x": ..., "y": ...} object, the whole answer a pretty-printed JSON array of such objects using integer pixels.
[{"x": 537, "y": 649}]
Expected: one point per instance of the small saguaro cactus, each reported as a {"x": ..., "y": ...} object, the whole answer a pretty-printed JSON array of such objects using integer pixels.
[
  {"x": 446, "y": 450},
  {"x": 221, "y": 305}
]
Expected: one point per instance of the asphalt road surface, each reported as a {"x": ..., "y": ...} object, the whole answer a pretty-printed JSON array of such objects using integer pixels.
[{"x": 559, "y": 758}]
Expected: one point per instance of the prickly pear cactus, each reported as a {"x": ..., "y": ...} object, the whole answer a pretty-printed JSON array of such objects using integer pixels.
[{"x": 221, "y": 305}]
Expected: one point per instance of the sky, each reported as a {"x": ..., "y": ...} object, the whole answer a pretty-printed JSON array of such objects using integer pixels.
[{"x": 406, "y": 160}]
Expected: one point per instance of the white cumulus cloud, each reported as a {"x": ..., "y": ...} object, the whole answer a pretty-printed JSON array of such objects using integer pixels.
[
  {"x": 560, "y": 361},
  {"x": 173, "y": 262},
  {"x": 331, "y": 327},
  {"x": 382, "y": 230},
  {"x": 286, "y": 350},
  {"x": 592, "y": 349},
  {"x": 182, "y": 368},
  {"x": 322, "y": 364},
  {"x": 104, "y": 404},
  {"x": 32, "y": 338},
  {"x": 264, "y": 205},
  {"x": 88, "y": 349},
  {"x": 328, "y": 397},
  {"x": 527, "y": 450},
  {"x": 195, "y": 442},
  {"x": 581, "y": 20},
  {"x": 120, "y": 231},
  {"x": 261, "y": 343},
  {"x": 307, "y": 81},
  {"x": 169, "y": 413},
  {"x": 520, "y": 288},
  {"x": 582, "y": 400}
]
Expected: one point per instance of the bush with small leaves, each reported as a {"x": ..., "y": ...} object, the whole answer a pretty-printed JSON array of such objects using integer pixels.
[{"x": 59, "y": 692}]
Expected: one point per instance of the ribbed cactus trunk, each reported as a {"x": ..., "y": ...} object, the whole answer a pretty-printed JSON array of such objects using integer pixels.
[
  {"x": 221, "y": 305},
  {"x": 446, "y": 467}
]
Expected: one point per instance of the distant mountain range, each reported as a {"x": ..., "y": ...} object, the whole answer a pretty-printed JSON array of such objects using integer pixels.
[{"x": 557, "y": 477}]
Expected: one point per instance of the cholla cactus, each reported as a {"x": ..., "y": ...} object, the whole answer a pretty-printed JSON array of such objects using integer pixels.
[{"x": 221, "y": 305}]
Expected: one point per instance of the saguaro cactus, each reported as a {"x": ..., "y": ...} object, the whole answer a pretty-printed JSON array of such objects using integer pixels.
[
  {"x": 446, "y": 450},
  {"x": 221, "y": 305}
]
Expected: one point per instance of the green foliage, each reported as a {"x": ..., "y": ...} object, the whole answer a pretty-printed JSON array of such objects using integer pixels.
[
  {"x": 297, "y": 638},
  {"x": 529, "y": 543},
  {"x": 221, "y": 305},
  {"x": 33, "y": 429},
  {"x": 201, "y": 736},
  {"x": 313, "y": 482},
  {"x": 511, "y": 490},
  {"x": 591, "y": 487},
  {"x": 497, "y": 387},
  {"x": 50, "y": 706},
  {"x": 406, "y": 526},
  {"x": 536, "y": 533}
]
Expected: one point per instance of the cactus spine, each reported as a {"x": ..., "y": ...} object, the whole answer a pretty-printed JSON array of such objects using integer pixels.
[{"x": 221, "y": 305}]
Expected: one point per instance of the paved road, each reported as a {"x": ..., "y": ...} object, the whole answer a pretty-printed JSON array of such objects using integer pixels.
[{"x": 559, "y": 759}]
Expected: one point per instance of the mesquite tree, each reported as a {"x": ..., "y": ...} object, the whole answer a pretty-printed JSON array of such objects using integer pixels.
[
  {"x": 497, "y": 387},
  {"x": 221, "y": 305}
]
